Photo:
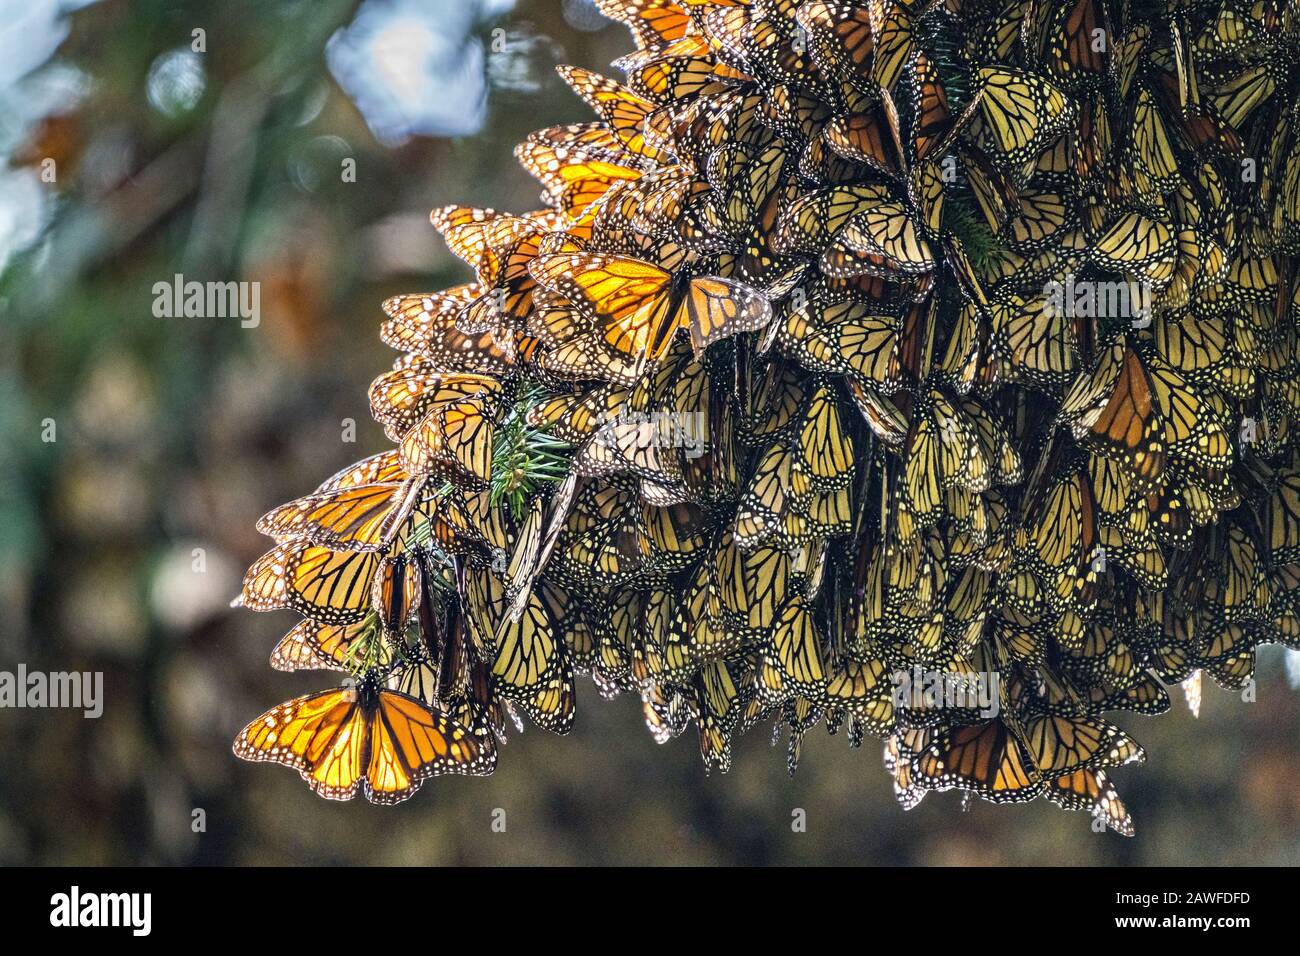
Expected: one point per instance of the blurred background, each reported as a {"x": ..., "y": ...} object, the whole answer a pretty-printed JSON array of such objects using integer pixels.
[{"x": 143, "y": 139}]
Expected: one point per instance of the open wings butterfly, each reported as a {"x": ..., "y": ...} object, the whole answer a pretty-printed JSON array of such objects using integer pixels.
[
  {"x": 380, "y": 742},
  {"x": 639, "y": 307}
]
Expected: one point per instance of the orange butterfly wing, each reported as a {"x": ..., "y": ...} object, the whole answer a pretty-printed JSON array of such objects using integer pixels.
[
  {"x": 628, "y": 298},
  {"x": 410, "y": 743},
  {"x": 341, "y": 742},
  {"x": 330, "y": 586},
  {"x": 322, "y": 736},
  {"x": 984, "y": 758},
  {"x": 1129, "y": 424},
  {"x": 358, "y": 518},
  {"x": 651, "y": 21},
  {"x": 315, "y": 646},
  {"x": 717, "y": 308}
]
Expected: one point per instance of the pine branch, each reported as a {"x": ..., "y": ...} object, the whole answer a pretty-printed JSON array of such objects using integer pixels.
[
  {"x": 524, "y": 457},
  {"x": 970, "y": 226}
]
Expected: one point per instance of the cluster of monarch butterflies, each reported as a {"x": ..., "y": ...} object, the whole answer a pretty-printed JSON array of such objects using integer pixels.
[{"x": 987, "y": 366}]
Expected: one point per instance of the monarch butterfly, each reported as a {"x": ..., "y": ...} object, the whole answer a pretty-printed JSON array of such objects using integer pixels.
[
  {"x": 457, "y": 434},
  {"x": 1035, "y": 340},
  {"x": 639, "y": 446},
  {"x": 1236, "y": 97},
  {"x": 1091, "y": 138},
  {"x": 701, "y": 125},
  {"x": 552, "y": 705},
  {"x": 465, "y": 230},
  {"x": 311, "y": 645},
  {"x": 1022, "y": 112},
  {"x": 623, "y": 111},
  {"x": 665, "y": 711},
  {"x": 616, "y": 630},
  {"x": 1113, "y": 408},
  {"x": 664, "y": 201},
  {"x": 400, "y": 398},
  {"x": 529, "y": 664},
  {"x": 843, "y": 38},
  {"x": 900, "y": 747},
  {"x": 840, "y": 334},
  {"x": 652, "y": 22},
  {"x": 1041, "y": 216},
  {"x": 756, "y": 44},
  {"x": 381, "y": 468},
  {"x": 759, "y": 263},
  {"x": 1282, "y": 520},
  {"x": 1152, "y": 148},
  {"x": 1061, "y": 744},
  {"x": 1145, "y": 696},
  {"x": 1078, "y": 42},
  {"x": 427, "y": 324},
  {"x": 994, "y": 192},
  {"x": 794, "y": 114},
  {"x": 796, "y": 648},
  {"x": 640, "y": 307},
  {"x": 365, "y": 738},
  {"x": 581, "y": 199},
  {"x": 1134, "y": 243},
  {"x": 575, "y": 351},
  {"x": 397, "y": 588},
  {"x": 1133, "y": 545},
  {"x": 866, "y": 138},
  {"x": 720, "y": 704},
  {"x": 1088, "y": 789},
  {"x": 995, "y": 445},
  {"x": 561, "y": 156},
  {"x": 764, "y": 505},
  {"x": 329, "y": 586},
  {"x": 575, "y": 417},
  {"x": 1061, "y": 536},
  {"x": 825, "y": 447},
  {"x": 683, "y": 214},
  {"x": 524, "y": 650},
  {"x": 863, "y": 689},
  {"x": 355, "y": 518},
  {"x": 750, "y": 585},
  {"x": 526, "y": 558},
  {"x": 945, "y": 452},
  {"x": 883, "y": 240},
  {"x": 683, "y": 69},
  {"x": 417, "y": 673},
  {"x": 674, "y": 524},
  {"x": 743, "y": 179},
  {"x": 807, "y": 225},
  {"x": 985, "y": 758}
]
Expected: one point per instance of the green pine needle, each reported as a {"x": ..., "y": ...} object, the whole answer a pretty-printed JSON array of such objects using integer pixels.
[
  {"x": 524, "y": 457},
  {"x": 938, "y": 35},
  {"x": 970, "y": 226},
  {"x": 364, "y": 652}
]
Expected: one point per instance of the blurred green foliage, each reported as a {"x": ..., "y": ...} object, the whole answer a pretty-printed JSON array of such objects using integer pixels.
[{"x": 173, "y": 435}]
